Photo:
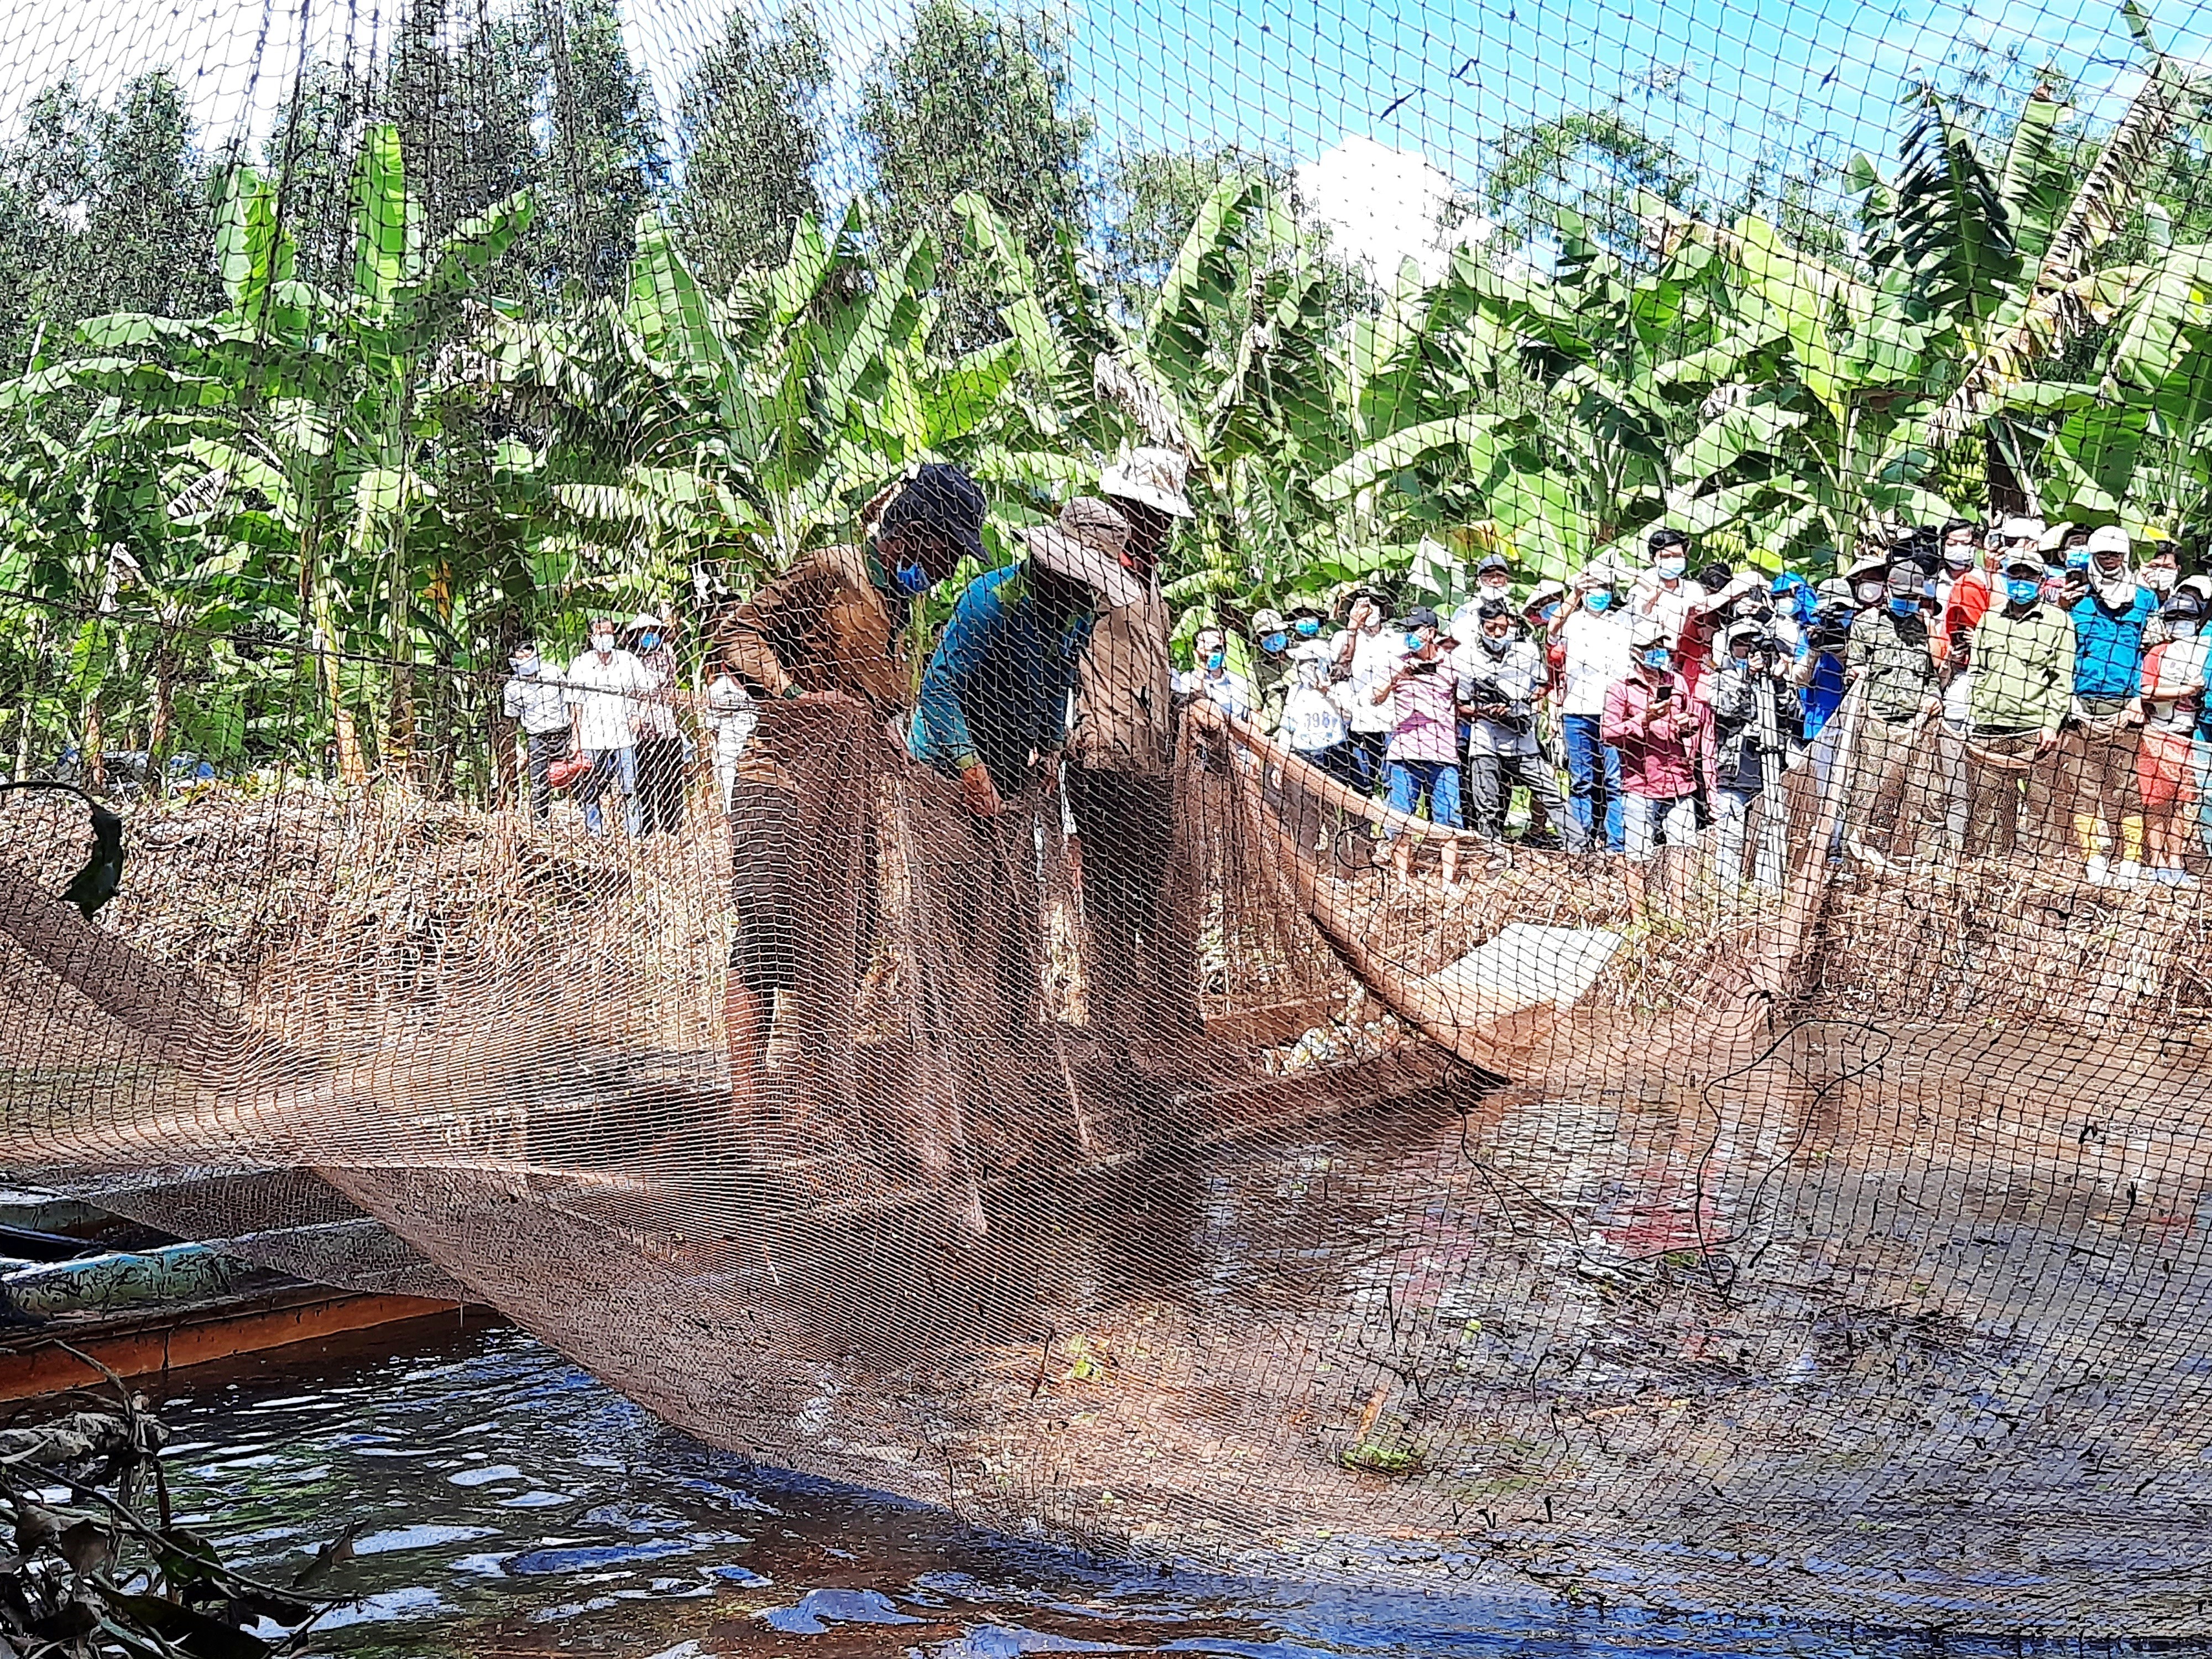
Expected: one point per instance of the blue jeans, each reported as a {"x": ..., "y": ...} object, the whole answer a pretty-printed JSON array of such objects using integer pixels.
[
  {"x": 618, "y": 767},
  {"x": 1433, "y": 782},
  {"x": 1583, "y": 747}
]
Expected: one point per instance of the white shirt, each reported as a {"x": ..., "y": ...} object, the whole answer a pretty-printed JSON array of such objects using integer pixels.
[
  {"x": 1374, "y": 660},
  {"x": 1669, "y": 608},
  {"x": 1228, "y": 690},
  {"x": 1312, "y": 722},
  {"x": 539, "y": 701},
  {"x": 730, "y": 711},
  {"x": 605, "y": 695},
  {"x": 1597, "y": 656}
]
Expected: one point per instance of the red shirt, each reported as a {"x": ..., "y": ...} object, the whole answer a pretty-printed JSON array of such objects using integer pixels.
[
  {"x": 1655, "y": 753},
  {"x": 1968, "y": 603}
]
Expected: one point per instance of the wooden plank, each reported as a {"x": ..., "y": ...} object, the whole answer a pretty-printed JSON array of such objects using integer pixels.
[{"x": 34, "y": 1367}]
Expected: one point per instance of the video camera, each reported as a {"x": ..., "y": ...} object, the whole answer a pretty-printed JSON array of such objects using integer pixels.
[
  {"x": 1831, "y": 628},
  {"x": 1488, "y": 693}
]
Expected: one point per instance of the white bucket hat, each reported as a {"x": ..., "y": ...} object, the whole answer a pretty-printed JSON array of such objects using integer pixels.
[
  {"x": 1153, "y": 476},
  {"x": 2020, "y": 530},
  {"x": 2110, "y": 539},
  {"x": 1090, "y": 544}
]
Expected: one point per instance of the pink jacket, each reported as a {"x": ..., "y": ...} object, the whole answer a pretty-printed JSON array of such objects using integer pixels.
[{"x": 1654, "y": 748}]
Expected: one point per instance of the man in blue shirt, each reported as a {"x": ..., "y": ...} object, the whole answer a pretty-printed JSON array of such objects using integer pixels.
[
  {"x": 2097, "y": 772},
  {"x": 994, "y": 711},
  {"x": 995, "y": 697}
]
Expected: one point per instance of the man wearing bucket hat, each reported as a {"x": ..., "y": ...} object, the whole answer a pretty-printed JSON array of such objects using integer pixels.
[
  {"x": 994, "y": 699},
  {"x": 1118, "y": 787},
  {"x": 831, "y": 626},
  {"x": 2098, "y": 758}
]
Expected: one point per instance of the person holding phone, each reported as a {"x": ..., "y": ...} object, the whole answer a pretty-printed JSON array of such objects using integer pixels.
[
  {"x": 1422, "y": 694},
  {"x": 1649, "y": 718}
]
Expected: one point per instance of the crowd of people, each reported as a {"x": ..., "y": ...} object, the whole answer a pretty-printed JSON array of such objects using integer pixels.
[{"x": 2018, "y": 681}]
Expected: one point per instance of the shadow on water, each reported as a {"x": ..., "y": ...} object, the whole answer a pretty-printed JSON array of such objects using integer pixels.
[{"x": 505, "y": 1502}]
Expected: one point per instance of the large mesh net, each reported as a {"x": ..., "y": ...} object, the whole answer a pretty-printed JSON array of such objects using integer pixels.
[{"x": 1407, "y": 793}]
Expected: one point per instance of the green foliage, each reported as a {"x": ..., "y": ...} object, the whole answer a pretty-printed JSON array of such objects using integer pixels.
[
  {"x": 973, "y": 99},
  {"x": 751, "y": 121}
]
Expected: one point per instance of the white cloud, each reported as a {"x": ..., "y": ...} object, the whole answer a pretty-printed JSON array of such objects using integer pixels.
[{"x": 1384, "y": 206}]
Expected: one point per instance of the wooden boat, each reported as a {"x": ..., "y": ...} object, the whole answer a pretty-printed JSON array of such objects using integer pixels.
[{"x": 84, "y": 1291}]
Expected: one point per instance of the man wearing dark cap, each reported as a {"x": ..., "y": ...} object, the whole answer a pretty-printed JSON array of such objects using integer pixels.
[
  {"x": 1891, "y": 657},
  {"x": 994, "y": 712},
  {"x": 829, "y": 627}
]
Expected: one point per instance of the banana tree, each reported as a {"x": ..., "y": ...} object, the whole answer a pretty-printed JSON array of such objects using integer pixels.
[
  {"x": 303, "y": 409},
  {"x": 1813, "y": 404}
]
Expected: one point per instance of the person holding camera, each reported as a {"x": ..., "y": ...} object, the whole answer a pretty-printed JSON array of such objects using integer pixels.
[
  {"x": 1818, "y": 677},
  {"x": 1754, "y": 718},
  {"x": 1501, "y": 675}
]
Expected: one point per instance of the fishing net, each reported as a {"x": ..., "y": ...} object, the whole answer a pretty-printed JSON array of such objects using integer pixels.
[{"x": 1195, "y": 1157}]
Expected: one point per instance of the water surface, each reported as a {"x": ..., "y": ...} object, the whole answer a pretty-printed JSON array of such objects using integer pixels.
[{"x": 509, "y": 1504}]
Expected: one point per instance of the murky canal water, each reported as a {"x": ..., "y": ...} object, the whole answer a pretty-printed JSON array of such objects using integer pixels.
[{"x": 507, "y": 1504}]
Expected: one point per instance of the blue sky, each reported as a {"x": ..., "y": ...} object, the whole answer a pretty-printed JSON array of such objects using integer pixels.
[{"x": 1726, "y": 82}]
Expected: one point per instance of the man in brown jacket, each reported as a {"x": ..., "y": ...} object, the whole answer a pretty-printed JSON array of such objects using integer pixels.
[
  {"x": 1144, "y": 958},
  {"x": 830, "y": 627}
]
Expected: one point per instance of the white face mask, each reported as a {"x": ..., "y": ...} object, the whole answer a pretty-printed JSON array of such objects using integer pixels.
[
  {"x": 526, "y": 666},
  {"x": 603, "y": 642},
  {"x": 2159, "y": 578}
]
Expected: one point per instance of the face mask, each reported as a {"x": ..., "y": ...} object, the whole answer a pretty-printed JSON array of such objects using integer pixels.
[
  {"x": 603, "y": 642},
  {"x": 647, "y": 640},
  {"x": 1672, "y": 568},
  {"x": 1276, "y": 642},
  {"x": 910, "y": 578},
  {"x": 526, "y": 666},
  {"x": 1957, "y": 558},
  {"x": 2183, "y": 627},
  {"x": 1547, "y": 613},
  {"x": 1658, "y": 656},
  {"x": 2160, "y": 579},
  {"x": 1869, "y": 592},
  {"x": 1496, "y": 647},
  {"x": 2023, "y": 590},
  {"x": 2077, "y": 558},
  {"x": 1413, "y": 641},
  {"x": 1215, "y": 660},
  {"x": 1599, "y": 601},
  {"x": 1306, "y": 627},
  {"x": 1904, "y": 605}
]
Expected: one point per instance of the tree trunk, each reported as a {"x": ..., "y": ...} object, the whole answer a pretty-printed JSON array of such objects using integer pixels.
[
  {"x": 95, "y": 767},
  {"x": 2007, "y": 496}
]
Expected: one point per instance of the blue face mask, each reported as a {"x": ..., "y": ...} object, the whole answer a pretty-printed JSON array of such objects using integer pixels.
[
  {"x": 1217, "y": 658},
  {"x": 1672, "y": 568},
  {"x": 1274, "y": 642},
  {"x": 1600, "y": 600},
  {"x": 2023, "y": 590},
  {"x": 1903, "y": 605},
  {"x": 1413, "y": 641},
  {"x": 1658, "y": 656},
  {"x": 1547, "y": 613},
  {"x": 647, "y": 640},
  {"x": 911, "y": 578},
  {"x": 1306, "y": 627}
]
